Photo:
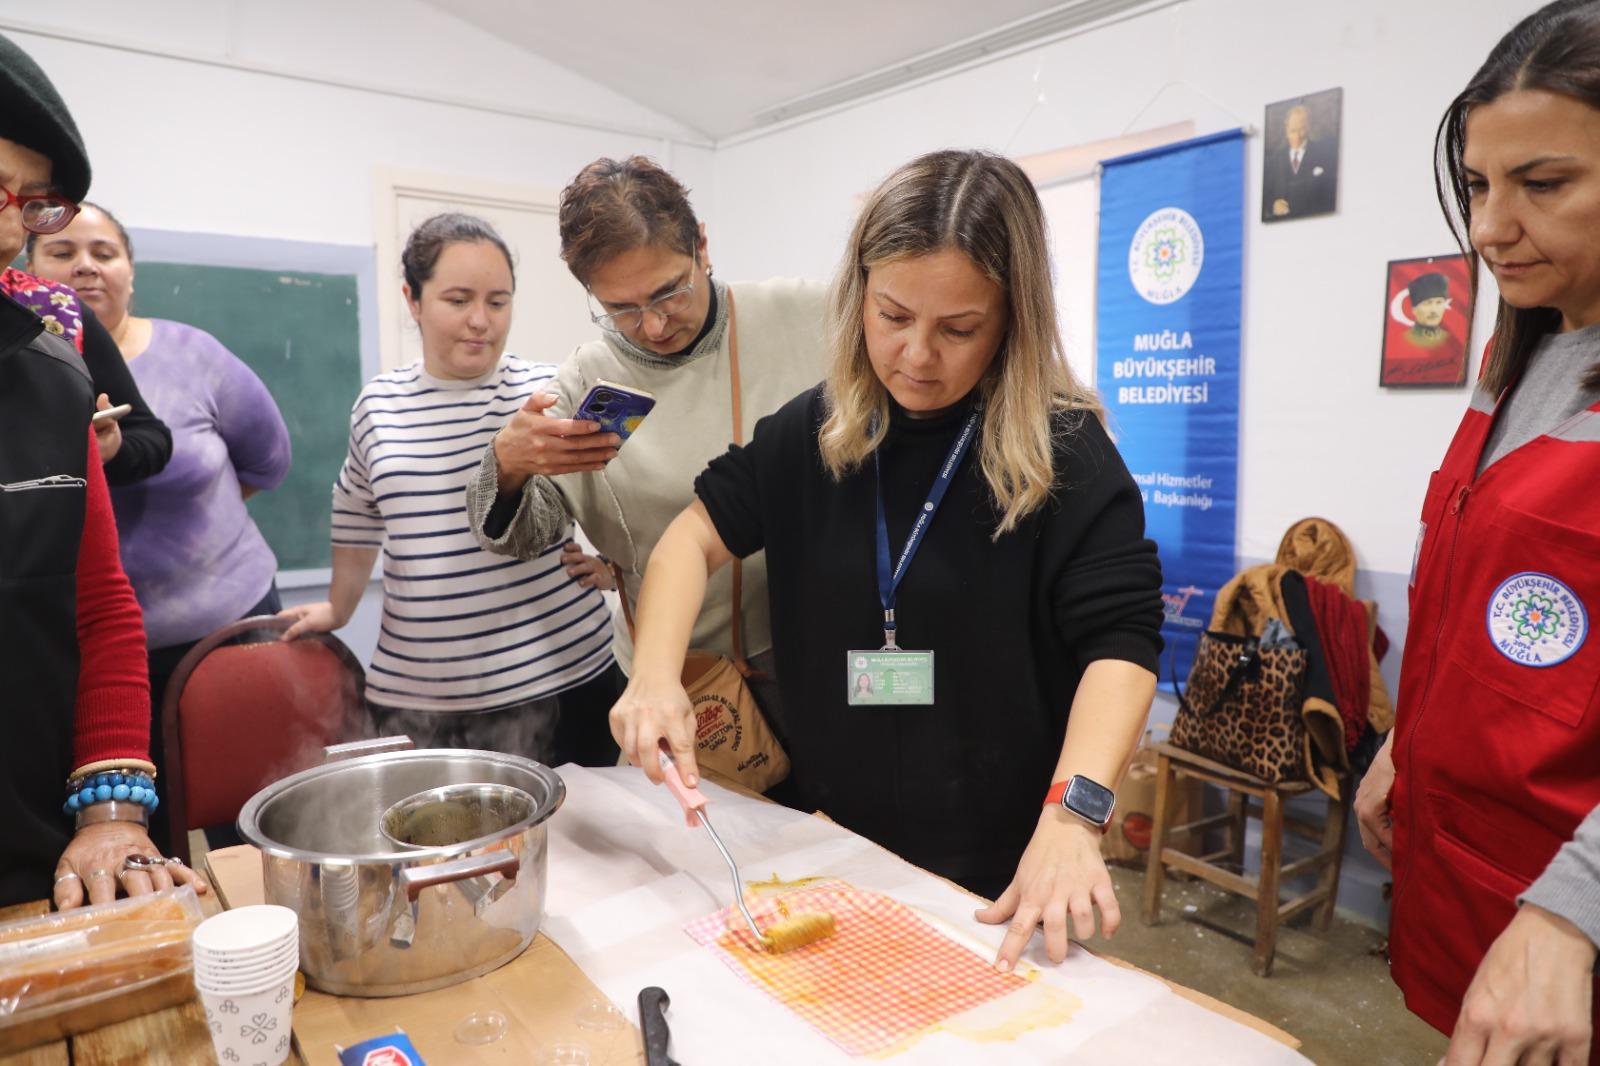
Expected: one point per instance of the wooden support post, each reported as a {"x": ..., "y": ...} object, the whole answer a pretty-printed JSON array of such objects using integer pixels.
[
  {"x": 1267, "y": 893},
  {"x": 1153, "y": 872},
  {"x": 1333, "y": 846},
  {"x": 1239, "y": 808}
]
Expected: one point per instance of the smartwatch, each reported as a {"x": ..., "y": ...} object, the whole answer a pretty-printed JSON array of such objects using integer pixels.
[{"x": 1089, "y": 800}]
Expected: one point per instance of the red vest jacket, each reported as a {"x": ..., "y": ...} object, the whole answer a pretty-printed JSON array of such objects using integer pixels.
[{"x": 1497, "y": 756}]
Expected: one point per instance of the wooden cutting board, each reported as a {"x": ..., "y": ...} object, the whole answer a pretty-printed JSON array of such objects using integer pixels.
[{"x": 539, "y": 993}]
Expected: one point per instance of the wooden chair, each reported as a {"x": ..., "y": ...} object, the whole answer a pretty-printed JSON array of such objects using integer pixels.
[
  {"x": 244, "y": 709},
  {"x": 1228, "y": 874}
]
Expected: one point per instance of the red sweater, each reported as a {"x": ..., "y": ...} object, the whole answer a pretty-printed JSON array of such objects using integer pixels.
[{"x": 113, "y": 707}]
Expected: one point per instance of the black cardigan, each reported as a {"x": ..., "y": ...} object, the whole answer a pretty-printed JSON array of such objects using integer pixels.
[
  {"x": 146, "y": 441},
  {"x": 45, "y": 400},
  {"x": 956, "y": 787}
]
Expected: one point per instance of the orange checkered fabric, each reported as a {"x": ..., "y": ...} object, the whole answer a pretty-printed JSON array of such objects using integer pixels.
[{"x": 885, "y": 975}]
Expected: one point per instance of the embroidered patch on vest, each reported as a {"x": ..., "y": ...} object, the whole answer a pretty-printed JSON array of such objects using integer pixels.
[{"x": 1536, "y": 620}]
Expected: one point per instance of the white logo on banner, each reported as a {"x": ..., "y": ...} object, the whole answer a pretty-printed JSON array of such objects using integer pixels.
[
  {"x": 1166, "y": 255},
  {"x": 1536, "y": 620}
]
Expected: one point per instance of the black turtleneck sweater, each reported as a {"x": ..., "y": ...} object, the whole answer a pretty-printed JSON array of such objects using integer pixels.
[{"x": 955, "y": 787}]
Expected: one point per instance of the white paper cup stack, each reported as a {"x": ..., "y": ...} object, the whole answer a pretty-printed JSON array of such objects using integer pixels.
[{"x": 244, "y": 966}]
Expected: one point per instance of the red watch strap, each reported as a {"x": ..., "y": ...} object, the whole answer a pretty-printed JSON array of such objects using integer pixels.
[{"x": 1057, "y": 792}]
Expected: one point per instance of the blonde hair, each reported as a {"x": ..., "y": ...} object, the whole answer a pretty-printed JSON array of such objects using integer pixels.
[{"x": 983, "y": 206}]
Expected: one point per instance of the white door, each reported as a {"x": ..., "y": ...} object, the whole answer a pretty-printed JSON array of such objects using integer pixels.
[
  {"x": 550, "y": 315},
  {"x": 1072, "y": 209}
]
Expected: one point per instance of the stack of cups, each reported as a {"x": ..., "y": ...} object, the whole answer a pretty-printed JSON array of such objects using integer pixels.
[{"x": 244, "y": 966}]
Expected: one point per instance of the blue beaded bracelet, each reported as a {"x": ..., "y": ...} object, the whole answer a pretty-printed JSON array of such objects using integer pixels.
[{"x": 131, "y": 786}]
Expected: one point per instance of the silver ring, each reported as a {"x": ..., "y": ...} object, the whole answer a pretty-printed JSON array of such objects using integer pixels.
[
  {"x": 141, "y": 862},
  {"x": 100, "y": 873},
  {"x": 70, "y": 875},
  {"x": 173, "y": 861}
]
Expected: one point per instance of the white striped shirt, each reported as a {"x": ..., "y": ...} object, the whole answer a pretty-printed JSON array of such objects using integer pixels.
[{"x": 463, "y": 629}]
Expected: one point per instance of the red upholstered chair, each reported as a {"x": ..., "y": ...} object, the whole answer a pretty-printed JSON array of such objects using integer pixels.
[{"x": 244, "y": 709}]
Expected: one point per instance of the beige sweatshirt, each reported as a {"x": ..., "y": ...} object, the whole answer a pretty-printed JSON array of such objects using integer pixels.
[{"x": 625, "y": 509}]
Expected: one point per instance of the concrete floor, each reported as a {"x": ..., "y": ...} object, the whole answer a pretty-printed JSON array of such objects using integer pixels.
[{"x": 1331, "y": 990}]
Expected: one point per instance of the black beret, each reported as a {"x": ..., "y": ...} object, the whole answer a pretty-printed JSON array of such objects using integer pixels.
[
  {"x": 1428, "y": 287},
  {"x": 35, "y": 116}
]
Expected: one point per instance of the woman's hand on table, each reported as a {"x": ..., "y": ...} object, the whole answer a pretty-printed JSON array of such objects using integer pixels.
[
  {"x": 1061, "y": 874},
  {"x": 1531, "y": 998},
  {"x": 93, "y": 863},
  {"x": 648, "y": 711},
  {"x": 587, "y": 570},
  {"x": 534, "y": 444},
  {"x": 1372, "y": 805}
]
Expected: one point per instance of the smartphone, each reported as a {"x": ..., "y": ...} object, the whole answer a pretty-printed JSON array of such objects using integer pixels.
[
  {"x": 112, "y": 414},
  {"x": 618, "y": 408}
]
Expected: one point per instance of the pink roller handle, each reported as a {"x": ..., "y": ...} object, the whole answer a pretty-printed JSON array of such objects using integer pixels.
[{"x": 692, "y": 799}]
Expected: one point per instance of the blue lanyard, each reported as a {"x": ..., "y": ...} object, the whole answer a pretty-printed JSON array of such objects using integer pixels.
[{"x": 889, "y": 580}]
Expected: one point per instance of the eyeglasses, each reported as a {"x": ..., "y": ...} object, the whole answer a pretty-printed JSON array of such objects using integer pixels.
[
  {"x": 42, "y": 213},
  {"x": 673, "y": 303}
]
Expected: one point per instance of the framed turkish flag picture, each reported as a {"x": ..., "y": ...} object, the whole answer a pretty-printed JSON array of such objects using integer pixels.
[{"x": 1427, "y": 322}]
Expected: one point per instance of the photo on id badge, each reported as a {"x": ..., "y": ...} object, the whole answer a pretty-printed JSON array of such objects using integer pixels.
[{"x": 889, "y": 677}]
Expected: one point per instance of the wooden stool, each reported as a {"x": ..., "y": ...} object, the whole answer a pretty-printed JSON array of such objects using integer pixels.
[{"x": 1264, "y": 889}]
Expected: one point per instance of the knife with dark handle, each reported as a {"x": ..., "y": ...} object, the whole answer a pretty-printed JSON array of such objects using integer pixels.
[{"x": 653, "y": 1003}]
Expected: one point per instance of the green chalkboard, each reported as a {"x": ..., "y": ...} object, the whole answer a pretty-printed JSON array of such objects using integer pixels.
[{"x": 300, "y": 333}]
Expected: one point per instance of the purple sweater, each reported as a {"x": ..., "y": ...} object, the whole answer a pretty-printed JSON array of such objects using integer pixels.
[{"x": 195, "y": 557}]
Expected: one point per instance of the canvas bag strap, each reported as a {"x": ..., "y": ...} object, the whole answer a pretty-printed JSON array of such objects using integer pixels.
[
  {"x": 737, "y": 613},
  {"x": 740, "y": 663}
]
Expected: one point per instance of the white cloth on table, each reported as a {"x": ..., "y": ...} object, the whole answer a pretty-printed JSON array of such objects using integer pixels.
[{"x": 626, "y": 874}]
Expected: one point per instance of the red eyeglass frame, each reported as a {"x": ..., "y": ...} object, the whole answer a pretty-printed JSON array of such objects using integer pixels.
[{"x": 22, "y": 203}]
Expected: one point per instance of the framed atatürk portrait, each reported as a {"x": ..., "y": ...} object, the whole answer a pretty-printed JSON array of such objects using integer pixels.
[
  {"x": 1427, "y": 321},
  {"x": 1300, "y": 163}
]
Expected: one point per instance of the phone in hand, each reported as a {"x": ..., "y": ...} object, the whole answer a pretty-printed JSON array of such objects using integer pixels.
[
  {"x": 112, "y": 414},
  {"x": 618, "y": 408}
]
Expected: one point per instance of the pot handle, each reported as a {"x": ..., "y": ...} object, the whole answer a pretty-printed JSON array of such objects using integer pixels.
[
  {"x": 339, "y": 752},
  {"x": 500, "y": 861}
]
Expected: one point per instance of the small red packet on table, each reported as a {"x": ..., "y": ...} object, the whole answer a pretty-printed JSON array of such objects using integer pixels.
[
  {"x": 392, "y": 1050},
  {"x": 883, "y": 976}
]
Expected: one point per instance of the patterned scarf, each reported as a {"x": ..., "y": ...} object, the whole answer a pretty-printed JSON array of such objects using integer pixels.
[{"x": 56, "y": 305}]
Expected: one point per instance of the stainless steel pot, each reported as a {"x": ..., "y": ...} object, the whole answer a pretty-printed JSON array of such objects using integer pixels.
[{"x": 379, "y": 919}]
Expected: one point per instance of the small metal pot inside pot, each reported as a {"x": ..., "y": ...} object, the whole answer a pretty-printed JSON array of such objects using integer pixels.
[
  {"x": 455, "y": 814},
  {"x": 382, "y": 917}
]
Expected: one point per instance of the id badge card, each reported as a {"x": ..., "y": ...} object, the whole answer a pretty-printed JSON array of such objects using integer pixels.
[{"x": 887, "y": 678}]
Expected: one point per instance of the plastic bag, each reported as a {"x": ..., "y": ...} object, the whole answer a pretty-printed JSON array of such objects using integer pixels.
[{"x": 59, "y": 962}]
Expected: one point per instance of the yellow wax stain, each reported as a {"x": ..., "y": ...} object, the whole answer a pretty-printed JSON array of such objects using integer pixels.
[
  {"x": 1038, "y": 1006},
  {"x": 775, "y": 887}
]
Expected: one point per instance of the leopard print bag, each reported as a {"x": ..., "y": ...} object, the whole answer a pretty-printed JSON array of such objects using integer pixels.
[{"x": 1242, "y": 707}]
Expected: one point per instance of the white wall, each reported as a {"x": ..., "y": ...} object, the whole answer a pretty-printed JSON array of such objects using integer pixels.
[
  {"x": 181, "y": 144},
  {"x": 1318, "y": 435}
]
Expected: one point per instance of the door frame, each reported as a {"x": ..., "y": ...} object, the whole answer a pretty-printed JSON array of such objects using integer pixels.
[{"x": 389, "y": 185}]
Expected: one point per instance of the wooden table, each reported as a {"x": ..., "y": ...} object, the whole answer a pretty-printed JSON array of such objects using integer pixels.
[
  {"x": 178, "y": 1035},
  {"x": 558, "y": 989}
]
